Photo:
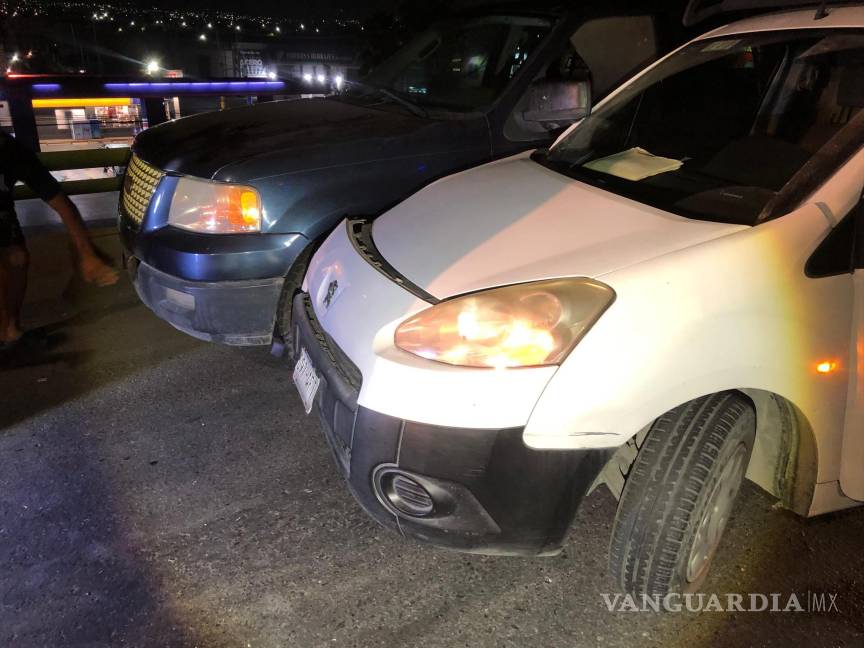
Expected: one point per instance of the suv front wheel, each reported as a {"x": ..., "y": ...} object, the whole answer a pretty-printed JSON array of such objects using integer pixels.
[{"x": 679, "y": 494}]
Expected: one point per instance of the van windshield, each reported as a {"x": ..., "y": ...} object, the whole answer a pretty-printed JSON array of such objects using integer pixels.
[
  {"x": 461, "y": 66},
  {"x": 717, "y": 130}
]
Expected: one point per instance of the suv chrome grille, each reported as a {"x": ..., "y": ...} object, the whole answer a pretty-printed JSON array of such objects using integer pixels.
[{"x": 138, "y": 186}]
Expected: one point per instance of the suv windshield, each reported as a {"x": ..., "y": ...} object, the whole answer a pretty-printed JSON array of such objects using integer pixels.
[
  {"x": 717, "y": 130},
  {"x": 460, "y": 66}
]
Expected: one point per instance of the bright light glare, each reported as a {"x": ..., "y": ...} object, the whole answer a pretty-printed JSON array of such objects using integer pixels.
[
  {"x": 515, "y": 326},
  {"x": 202, "y": 37},
  {"x": 271, "y": 75},
  {"x": 826, "y": 367},
  {"x": 321, "y": 78},
  {"x": 307, "y": 77},
  {"x": 338, "y": 80},
  {"x": 152, "y": 66}
]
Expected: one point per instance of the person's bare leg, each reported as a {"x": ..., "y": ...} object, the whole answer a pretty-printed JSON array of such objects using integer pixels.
[
  {"x": 5, "y": 281},
  {"x": 92, "y": 268},
  {"x": 13, "y": 284}
]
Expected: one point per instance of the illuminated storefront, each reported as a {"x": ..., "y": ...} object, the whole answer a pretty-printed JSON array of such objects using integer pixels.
[{"x": 80, "y": 119}]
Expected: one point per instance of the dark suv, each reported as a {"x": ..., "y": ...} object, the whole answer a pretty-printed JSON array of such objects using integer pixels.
[{"x": 220, "y": 212}]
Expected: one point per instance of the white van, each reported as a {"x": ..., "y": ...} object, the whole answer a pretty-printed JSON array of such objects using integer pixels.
[{"x": 668, "y": 300}]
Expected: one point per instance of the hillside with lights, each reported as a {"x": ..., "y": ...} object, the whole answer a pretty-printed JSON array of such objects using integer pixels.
[{"x": 104, "y": 39}]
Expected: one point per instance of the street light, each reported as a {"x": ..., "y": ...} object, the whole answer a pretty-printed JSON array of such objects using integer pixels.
[
  {"x": 202, "y": 37},
  {"x": 152, "y": 66}
]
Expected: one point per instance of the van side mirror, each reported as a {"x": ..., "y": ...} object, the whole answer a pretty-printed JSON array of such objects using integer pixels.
[{"x": 555, "y": 104}]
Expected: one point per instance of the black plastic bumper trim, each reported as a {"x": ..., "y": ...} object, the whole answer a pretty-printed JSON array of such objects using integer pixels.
[{"x": 228, "y": 312}]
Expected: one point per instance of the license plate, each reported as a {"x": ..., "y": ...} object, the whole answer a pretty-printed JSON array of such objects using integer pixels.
[{"x": 306, "y": 379}]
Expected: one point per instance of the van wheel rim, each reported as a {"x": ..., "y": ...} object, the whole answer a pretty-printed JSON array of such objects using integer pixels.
[{"x": 716, "y": 515}]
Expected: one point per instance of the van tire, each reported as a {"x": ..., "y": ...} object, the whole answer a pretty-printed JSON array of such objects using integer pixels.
[{"x": 693, "y": 460}]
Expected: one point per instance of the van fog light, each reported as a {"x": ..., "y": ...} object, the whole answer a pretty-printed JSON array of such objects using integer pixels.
[{"x": 406, "y": 495}]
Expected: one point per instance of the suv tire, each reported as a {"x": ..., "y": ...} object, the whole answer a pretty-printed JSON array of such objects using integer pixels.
[{"x": 293, "y": 282}]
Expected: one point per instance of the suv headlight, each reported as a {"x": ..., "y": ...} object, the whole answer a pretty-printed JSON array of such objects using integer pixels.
[
  {"x": 523, "y": 325},
  {"x": 215, "y": 207}
]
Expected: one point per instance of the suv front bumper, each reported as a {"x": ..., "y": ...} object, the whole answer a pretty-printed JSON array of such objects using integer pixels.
[
  {"x": 228, "y": 312},
  {"x": 210, "y": 286},
  {"x": 473, "y": 490}
]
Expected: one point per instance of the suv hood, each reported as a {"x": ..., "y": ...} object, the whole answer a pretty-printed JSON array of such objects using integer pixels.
[
  {"x": 201, "y": 145},
  {"x": 515, "y": 220}
]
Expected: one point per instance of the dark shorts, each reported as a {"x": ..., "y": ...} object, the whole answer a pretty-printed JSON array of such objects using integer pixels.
[{"x": 10, "y": 231}]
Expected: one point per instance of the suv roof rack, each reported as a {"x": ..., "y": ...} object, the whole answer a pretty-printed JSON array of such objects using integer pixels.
[{"x": 699, "y": 10}]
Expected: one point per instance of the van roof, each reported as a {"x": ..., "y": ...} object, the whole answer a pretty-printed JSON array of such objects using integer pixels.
[
  {"x": 837, "y": 18},
  {"x": 557, "y": 7}
]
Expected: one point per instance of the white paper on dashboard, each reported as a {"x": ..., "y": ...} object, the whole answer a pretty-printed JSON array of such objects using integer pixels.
[{"x": 634, "y": 164}]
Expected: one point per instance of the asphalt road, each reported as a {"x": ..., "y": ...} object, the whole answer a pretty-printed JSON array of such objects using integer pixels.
[{"x": 159, "y": 491}]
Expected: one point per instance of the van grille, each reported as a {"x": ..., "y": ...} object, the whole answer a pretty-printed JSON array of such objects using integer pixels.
[{"x": 138, "y": 186}]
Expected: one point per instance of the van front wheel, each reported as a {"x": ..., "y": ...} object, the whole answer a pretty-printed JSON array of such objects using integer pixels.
[{"x": 680, "y": 493}]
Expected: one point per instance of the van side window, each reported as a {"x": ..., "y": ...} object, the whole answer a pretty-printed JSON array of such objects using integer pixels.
[
  {"x": 605, "y": 50},
  {"x": 615, "y": 48},
  {"x": 836, "y": 254}
]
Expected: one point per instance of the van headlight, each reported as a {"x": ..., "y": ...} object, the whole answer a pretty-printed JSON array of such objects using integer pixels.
[
  {"x": 524, "y": 325},
  {"x": 215, "y": 207}
]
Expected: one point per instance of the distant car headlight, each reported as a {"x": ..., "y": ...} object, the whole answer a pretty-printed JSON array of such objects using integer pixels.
[
  {"x": 215, "y": 207},
  {"x": 523, "y": 325}
]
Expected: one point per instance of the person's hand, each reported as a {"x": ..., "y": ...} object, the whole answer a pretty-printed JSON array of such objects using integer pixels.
[{"x": 96, "y": 271}]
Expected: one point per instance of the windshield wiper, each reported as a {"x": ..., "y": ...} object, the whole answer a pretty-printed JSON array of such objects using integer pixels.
[
  {"x": 411, "y": 107},
  {"x": 414, "y": 108}
]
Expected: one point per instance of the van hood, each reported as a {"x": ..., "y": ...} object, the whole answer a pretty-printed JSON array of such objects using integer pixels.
[
  {"x": 515, "y": 220},
  {"x": 201, "y": 145}
]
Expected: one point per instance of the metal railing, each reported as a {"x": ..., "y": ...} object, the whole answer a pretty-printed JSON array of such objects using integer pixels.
[{"x": 85, "y": 159}]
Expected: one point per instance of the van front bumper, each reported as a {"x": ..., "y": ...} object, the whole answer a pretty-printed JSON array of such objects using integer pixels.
[
  {"x": 473, "y": 490},
  {"x": 228, "y": 312}
]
